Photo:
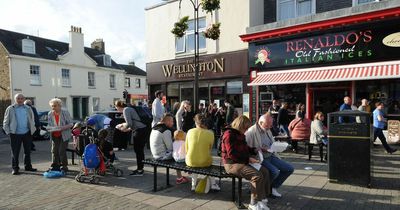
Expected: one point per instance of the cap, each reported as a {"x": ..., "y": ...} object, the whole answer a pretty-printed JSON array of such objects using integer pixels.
[{"x": 91, "y": 121}]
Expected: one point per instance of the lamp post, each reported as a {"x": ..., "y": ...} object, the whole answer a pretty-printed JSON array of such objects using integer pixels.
[{"x": 196, "y": 7}]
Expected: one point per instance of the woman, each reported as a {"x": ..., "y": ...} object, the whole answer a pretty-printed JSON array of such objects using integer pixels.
[
  {"x": 236, "y": 155},
  {"x": 132, "y": 122},
  {"x": 179, "y": 115},
  {"x": 318, "y": 134},
  {"x": 198, "y": 145},
  {"x": 299, "y": 130},
  {"x": 174, "y": 111},
  {"x": 60, "y": 121},
  {"x": 300, "y": 110}
]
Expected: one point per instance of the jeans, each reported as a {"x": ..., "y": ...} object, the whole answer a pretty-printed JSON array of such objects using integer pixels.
[
  {"x": 139, "y": 142},
  {"x": 378, "y": 133},
  {"x": 16, "y": 141},
  {"x": 279, "y": 170}
]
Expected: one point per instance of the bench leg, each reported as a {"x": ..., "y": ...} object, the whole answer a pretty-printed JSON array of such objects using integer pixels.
[
  {"x": 305, "y": 147},
  {"x": 73, "y": 158},
  {"x": 233, "y": 189},
  {"x": 167, "y": 177},
  {"x": 239, "y": 202},
  {"x": 155, "y": 179}
]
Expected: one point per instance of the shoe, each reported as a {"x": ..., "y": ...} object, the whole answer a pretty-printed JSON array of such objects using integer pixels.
[
  {"x": 275, "y": 193},
  {"x": 193, "y": 188},
  {"x": 15, "y": 172},
  {"x": 215, "y": 187},
  {"x": 392, "y": 151},
  {"x": 182, "y": 180},
  {"x": 64, "y": 169},
  {"x": 262, "y": 206},
  {"x": 137, "y": 173},
  {"x": 264, "y": 201},
  {"x": 31, "y": 169},
  {"x": 254, "y": 207}
]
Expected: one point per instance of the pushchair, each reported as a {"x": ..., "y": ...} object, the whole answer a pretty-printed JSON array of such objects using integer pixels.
[{"x": 93, "y": 162}]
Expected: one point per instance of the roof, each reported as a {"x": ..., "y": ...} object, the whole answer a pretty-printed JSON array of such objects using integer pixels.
[
  {"x": 133, "y": 70},
  {"x": 46, "y": 48}
]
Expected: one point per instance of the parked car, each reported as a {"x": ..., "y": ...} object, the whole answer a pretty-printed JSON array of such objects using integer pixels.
[{"x": 43, "y": 133}]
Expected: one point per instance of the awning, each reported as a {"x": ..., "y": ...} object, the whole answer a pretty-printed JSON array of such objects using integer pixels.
[{"x": 368, "y": 71}]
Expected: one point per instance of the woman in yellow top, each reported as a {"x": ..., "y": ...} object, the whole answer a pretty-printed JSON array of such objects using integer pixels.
[{"x": 198, "y": 145}]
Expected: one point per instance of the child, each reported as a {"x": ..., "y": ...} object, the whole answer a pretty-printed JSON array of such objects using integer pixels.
[
  {"x": 105, "y": 146},
  {"x": 76, "y": 130},
  {"x": 178, "y": 145}
]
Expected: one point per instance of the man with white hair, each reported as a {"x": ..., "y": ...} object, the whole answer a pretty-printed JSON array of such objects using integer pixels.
[
  {"x": 19, "y": 124},
  {"x": 260, "y": 136}
]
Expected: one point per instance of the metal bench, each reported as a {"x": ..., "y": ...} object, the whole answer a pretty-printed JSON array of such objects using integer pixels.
[
  {"x": 214, "y": 171},
  {"x": 73, "y": 152}
]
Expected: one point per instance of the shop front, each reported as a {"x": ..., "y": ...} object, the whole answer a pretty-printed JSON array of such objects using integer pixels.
[
  {"x": 221, "y": 76},
  {"x": 319, "y": 66}
]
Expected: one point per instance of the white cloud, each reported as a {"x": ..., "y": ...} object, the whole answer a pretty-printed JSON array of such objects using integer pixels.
[{"x": 120, "y": 23}]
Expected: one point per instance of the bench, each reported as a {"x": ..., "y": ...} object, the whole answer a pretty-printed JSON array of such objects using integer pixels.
[
  {"x": 73, "y": 152},
  {"x": 214, "y": 171}
]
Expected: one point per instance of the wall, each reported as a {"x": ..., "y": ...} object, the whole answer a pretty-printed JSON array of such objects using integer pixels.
[
  {"x": 143, "y": 86},
  {"x": 4, "y": 82}
]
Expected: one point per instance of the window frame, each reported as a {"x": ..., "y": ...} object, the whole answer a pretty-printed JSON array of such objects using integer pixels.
[
  {"x": 26, "y": 42},
  {"x": 129, "y": 82},
  {"x": 112, "y": 81},
  {"x": 313, "y": 9},
  {"x": 107, "y": 60},
  {"x": 192, "y": 32},
  {"x": 355, "y": 2},
  {"x": 137, "y": 83},
  {"x": 94, "y": 79},
  {"x": 68, "y": 83},
  {"x": 38, "y": 75}
]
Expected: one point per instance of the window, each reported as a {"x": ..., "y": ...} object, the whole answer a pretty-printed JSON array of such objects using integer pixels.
[
  {"x": 35, "y": 75},
  {"x": 357, "y": 2},
  {"x": 127, "y": 82},
  {"x": 112, "y": 81},
  {"x": 96, "y": 104},
  {"x": 137, "y": 82},
  {"x": 66, "y": 78},
  {"x": 64, "y": 102},
  {"x": 294, "y": 8},
  {"x": 91, "y": 79},
  {"x": 28, "y": 46},
  {"x": 234, "y": 87},
  {"x": 107, "y": 60},
  {"x": 186, "y": 43}
]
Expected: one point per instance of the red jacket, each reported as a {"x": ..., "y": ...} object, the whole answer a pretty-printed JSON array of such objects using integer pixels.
[
  {"x": 300, "y": 129},
  {"x": 234, "y": 147}
]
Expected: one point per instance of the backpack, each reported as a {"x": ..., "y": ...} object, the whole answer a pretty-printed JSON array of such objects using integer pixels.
[
  {"x": 91, "y": 158},
  {"x": 144, "y": 115}
]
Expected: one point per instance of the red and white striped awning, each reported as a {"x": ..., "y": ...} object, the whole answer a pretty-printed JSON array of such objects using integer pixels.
[{"x": 367, "y": 71}]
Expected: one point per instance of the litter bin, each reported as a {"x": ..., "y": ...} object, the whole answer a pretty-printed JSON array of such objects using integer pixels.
[{"x": 349, "y": 147}]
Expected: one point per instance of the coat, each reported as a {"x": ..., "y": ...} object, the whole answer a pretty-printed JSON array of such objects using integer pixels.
[
  {"x": 317, "y": 132},
  {"x": 65, "y": 119},
  {"x": 10, "y": 122},
  {"x": 300, "y": 129}
]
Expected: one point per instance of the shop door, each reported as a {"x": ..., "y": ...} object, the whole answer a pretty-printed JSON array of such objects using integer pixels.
[{"x": 328, "y": 100}]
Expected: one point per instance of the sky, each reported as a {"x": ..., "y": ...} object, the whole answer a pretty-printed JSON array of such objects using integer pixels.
[{"x": 120, "y": 23}]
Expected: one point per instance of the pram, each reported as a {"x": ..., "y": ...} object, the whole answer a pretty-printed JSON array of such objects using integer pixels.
[{"x": 93, "y": 162}]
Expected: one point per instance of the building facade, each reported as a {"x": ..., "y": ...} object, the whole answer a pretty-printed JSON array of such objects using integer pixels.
[
  {"x": 223, "y": 63},
  {"x": 85, "y": 79},
  {"x": 316, "y": 52}
]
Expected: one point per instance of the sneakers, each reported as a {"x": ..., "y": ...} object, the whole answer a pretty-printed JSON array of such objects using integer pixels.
[
  {"x": 275, "y": 193},
  {"x": 264, "y": 201},
  {"x": 182, "y": 180},
  {"x": 259, "y": 206},
  {"x": 215, "y": 187},
  {"x": 137, "y": 173}
]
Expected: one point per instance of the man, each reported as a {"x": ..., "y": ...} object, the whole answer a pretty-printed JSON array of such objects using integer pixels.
[
  {"x": 379, "y": 124},
  {"x": 37, "y": 122},
  {"x": 19, "y": 124},
  {"x": 283, "y": 118},
  {"x": 364, "y": 107},
  {"x": 161, "y": 143},
  {"x": 230, "y": 111},
  {"x": 346, "y": 106},
  {"x": 274, "y": 108},
  {"x": 157, "y": 108},
  {"x": 260, "y": 136},
  {"x": 100, "y": 121},
  {"x": 202, "y": 109}
]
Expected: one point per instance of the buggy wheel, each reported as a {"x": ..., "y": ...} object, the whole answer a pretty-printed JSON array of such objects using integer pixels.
[
  {"x": 95, "y": 180},
  {"x": 78, "y": 178}
]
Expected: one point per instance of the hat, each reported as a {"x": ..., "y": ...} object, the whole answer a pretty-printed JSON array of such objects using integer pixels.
[{"x": 91, "y": 121}]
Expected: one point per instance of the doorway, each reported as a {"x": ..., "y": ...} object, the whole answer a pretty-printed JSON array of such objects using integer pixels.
[{"x": 80, "y": 107}]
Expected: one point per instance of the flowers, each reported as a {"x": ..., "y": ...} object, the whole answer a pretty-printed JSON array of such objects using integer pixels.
[
  {"x": 180, "y": 27},
  {"x": 213, "y": 31},
  {"x": 210, "y": 5}
]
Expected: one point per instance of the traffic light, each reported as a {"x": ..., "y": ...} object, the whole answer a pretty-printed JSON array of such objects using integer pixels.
[{"x": 125, "y": 94}]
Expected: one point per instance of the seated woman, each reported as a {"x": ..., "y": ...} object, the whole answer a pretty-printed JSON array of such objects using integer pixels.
[
  {"x": 299, "y": 130},
  {"x": 198, "y": 146},
  {"x": 318, "y": 133},
  {"x": 236, "y": 155}
]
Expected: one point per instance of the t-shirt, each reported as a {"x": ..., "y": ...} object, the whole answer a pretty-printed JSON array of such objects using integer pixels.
[
  {"x": 377, "y": 123},
  {"x": 57, "y": 134},
  {"x": 198, "y": 147}
]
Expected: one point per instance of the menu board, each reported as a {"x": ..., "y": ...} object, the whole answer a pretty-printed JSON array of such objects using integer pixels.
[{"x": 393, "y": 131}]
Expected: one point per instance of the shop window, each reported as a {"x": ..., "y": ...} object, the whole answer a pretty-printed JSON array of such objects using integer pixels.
[
  {"x": 358, "y": 2},
  {"x": 235, "y": 87},
  {"x": 287, "y": 9},
  {"x": 186, "y": 43}
]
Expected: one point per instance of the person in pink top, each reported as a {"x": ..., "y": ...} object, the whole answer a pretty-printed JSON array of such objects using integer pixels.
[{"x": 300, "y": 130}]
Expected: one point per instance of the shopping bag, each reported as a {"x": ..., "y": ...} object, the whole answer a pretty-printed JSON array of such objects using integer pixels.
[{"x": 203, "y": 186}]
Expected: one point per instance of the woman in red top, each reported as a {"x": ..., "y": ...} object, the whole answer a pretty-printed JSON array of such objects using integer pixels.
[
  {"x": 60, "y": 124},
  {"x": 236, "y": 156}
]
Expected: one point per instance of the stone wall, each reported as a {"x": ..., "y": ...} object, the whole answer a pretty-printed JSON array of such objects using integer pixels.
[{"x": 4, "y": 82}]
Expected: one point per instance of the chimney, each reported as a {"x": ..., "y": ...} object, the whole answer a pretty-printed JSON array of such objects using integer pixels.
[
  {"x": 132, "y": 63},
  {"x": 76, "y": 40},
  {"x": 99, "y": 45}
]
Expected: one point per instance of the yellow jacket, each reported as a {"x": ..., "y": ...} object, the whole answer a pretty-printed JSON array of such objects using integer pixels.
[{"x": 198, "y": 147}]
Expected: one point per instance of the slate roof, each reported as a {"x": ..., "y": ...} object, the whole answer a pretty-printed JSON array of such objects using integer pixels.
[
  {"x": 134, "y": 70},
  {"x": 46, "y": 48}
]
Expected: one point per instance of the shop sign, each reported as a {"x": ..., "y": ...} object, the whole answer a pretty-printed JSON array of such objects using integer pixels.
[
  {"x": 368, "y": 44},
  {"x": 186, "y": 70},
  {"x": 393, "y": 131}
]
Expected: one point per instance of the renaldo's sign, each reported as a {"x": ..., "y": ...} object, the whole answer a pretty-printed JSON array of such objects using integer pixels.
[{"x": 368, "y": 44}]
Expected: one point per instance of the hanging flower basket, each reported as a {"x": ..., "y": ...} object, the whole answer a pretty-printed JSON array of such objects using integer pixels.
[
  {"x": 213, "y": 31},
  {"x": 210, "y": 5},
  {"x": 180, "y": 27}
]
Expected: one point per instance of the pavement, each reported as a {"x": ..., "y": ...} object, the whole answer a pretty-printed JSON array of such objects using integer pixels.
[{"x": 305, "y": 189}]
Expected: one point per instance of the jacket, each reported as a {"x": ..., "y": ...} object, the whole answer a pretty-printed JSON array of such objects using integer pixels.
[
  {"x": 253, "y": 138},
  {"x": 198, "y": 146},
  {"x": 179, "y": 118},
  {"x": 300, "y": 129},
  {"x": 132, "y": 119},
  {"x": 234, "y": 148},
  {"x": 65, "y": 119},
  {"x": 161, "y": 142},
  {"x": 10, "y": 120},
  {"x": 317, "y": 132},
  {"x": 156, "y": 111},
  {"x": 283, "y": 117},
  {"x": 230, "y": 111}
]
